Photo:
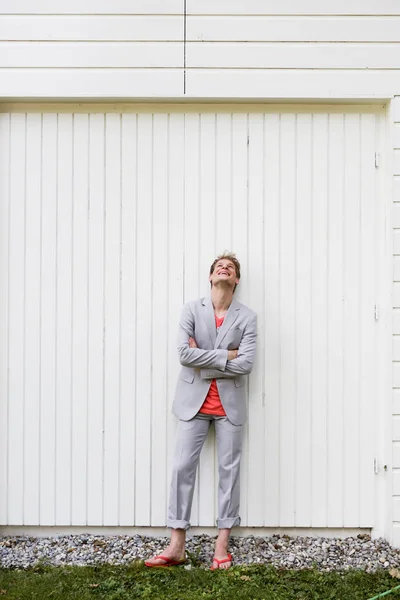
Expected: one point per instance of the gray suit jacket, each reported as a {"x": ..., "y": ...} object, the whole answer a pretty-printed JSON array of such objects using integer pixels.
[{"x": 210, "y": 360}]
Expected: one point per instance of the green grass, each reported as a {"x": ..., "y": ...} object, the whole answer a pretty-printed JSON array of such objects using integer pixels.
[{"x": 254, "y": 582}]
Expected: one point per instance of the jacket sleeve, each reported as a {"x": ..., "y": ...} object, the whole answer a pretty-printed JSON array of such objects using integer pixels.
[
  {"x": 243, "y": 363},
  {"x": 195, "y": 357}
]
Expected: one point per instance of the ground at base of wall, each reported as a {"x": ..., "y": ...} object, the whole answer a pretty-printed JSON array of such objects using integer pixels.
[{"x": 279, "y": 551}]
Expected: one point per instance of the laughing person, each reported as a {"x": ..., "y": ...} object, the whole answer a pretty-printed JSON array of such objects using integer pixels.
[{"x": 216, "y": 346}]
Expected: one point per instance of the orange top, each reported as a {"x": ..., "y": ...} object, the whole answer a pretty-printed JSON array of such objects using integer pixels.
[{"x": 212, "y": 404}]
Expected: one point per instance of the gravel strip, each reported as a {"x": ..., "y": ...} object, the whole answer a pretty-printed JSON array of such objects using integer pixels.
[{"x": 326, "y": 554}]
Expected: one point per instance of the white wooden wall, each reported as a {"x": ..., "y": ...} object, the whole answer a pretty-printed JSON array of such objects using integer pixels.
[
  {"x": 108, "y": 223},
  {"x": 104, "y": 48},
  {"x": 199, "y": 48}
]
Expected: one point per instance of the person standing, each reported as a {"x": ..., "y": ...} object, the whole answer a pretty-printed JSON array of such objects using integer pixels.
[{"x": 216, "y": 347}]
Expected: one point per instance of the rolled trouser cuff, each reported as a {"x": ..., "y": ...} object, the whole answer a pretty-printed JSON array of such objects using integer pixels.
[
  {"x": 228, "y": 523},
  {"x": 178, "y": 524}
]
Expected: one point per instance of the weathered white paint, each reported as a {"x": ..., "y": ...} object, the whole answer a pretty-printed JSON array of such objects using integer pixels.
[{"x": 109, "y": 222}]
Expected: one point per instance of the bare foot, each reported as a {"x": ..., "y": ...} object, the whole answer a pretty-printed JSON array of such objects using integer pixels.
[
  {"x": 172, "y": 553},
  {"x": 221, "y": 553},
  {"x": 222, "y": 561}
]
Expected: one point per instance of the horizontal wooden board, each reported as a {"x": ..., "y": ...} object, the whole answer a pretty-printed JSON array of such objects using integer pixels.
[
  {"x": 87, "y": 83},
  {"x": 290, "y": 7},
  {"x": 294, "y": 29},
  {"x": 290, "y": 83},
  {"x": 91, "y": 28},
  {"x": 96, "y": 54},
  {"x": 278, "y": 55},
  {"x": 396, "y": 166},
  {"x": 396, "y": 268},
  {"x": 396, "y": 189},
  {"x": 396, "y": 425},
  {"x": 396, "y": 402},
  {"x": 396, "y": 323},
  {"x": 78, "y": 7},
  {"x": 396, "y": 241},
  {"x": 182, "y": 107},
  {"x": 396, "y": 374},
  {"x": 396, "y": 482},
  {"x": 397, "y": 135},
  {"x": 396, "y": 508},
  {"x": 396, "y": 215}
]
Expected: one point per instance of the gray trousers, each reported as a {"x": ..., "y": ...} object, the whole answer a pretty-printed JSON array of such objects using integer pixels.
[{"x": 190, "y": 439}]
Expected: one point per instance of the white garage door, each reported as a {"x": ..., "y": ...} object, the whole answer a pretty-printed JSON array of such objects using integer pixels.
[{"x": 108, "y": 223}]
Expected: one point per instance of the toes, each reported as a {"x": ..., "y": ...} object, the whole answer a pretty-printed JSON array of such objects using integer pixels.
[{"x": 155, "y": 562}]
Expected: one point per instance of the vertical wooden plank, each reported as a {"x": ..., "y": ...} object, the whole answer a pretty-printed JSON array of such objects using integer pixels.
[
  {"x": 159, "y": 309},
  {"x": 287, "y": 324},
  {"x": 79, "y": 319},
  {"x": 128, "y": 320},
  {"x": 112, "y": 280},
  {"x": 335, "y": 321},
  {"x": 143, "y": 323},
  {"x": 32, "y": 318},
  {"x": 239, "y": 136},
  {"x": 319, "y": 336},
  {"x": 223, "y": 183},
  {"x": 192, "y": 233},
  {"x": 95, "y": 275},
  {"x": 48, "y": 320},
  {"x": 239, "y": 200},
  {"x": 368, "y": 337},
  {"x": 16, "y": 318},
  {"x": 192, "y": 206},
  {"x": 271, "y": 339},
  {"x": 351, "y": 321},
  {"x": 256, "y": 274},
  {"x": 303, "y": 318},
  {"x": 207, "y": 467},
  {"x": 64, "y": 320},
  {"x": 5, "y": 172},
  {"x": 176, "y": 183}
]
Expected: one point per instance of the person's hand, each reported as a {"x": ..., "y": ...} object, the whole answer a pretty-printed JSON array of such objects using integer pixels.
[
  {"x": 192, "y": 343},
  {"x": 232, "y": 354}
]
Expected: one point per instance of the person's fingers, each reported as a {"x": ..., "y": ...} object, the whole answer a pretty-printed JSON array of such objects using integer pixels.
[{"x": 192, "y": 343}]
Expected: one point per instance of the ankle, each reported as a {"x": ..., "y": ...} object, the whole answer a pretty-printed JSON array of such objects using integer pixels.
[{"x": 177, "y": 547}]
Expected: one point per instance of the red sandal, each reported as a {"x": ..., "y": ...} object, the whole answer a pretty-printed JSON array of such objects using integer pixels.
[
  {"x": 220, "y": 561},
  {"x": 169, "y": 562}
]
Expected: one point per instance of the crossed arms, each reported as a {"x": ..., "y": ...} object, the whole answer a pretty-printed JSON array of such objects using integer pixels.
[{"x": 219, "y": 362}]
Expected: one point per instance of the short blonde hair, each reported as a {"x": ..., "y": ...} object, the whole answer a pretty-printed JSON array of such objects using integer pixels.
[{"x": 229, "y": 256}]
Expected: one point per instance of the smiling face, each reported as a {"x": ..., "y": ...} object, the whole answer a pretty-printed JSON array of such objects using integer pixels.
[{"x": 224, "y": 272}]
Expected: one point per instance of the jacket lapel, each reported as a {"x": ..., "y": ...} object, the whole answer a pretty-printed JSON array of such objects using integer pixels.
[
  {"x": 229, "y": 320},
  {"x": 208, "y": 313}
]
